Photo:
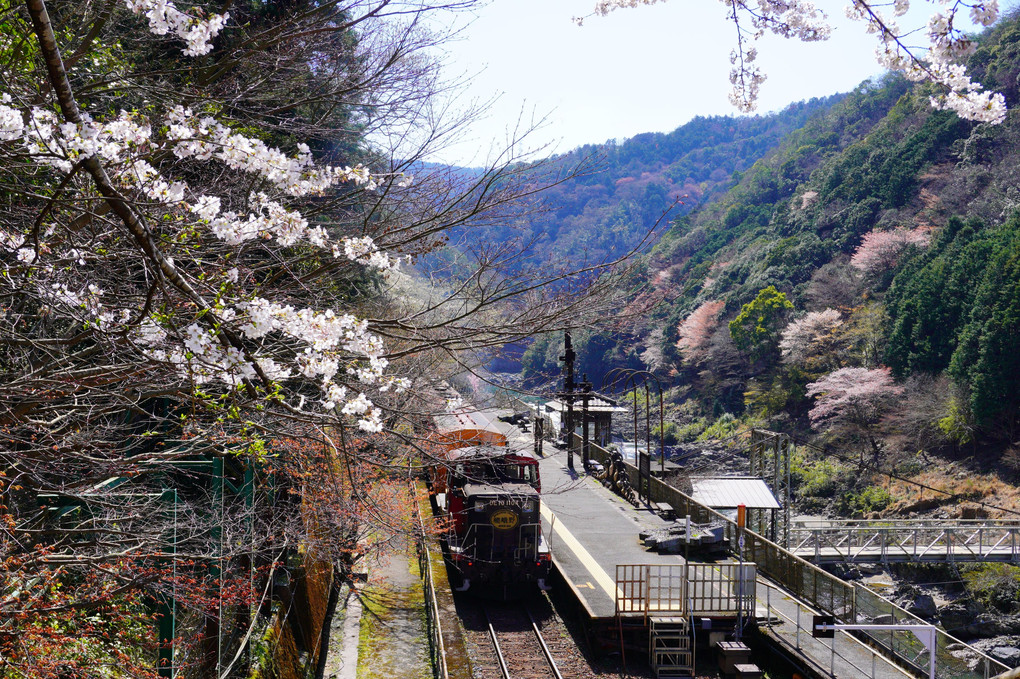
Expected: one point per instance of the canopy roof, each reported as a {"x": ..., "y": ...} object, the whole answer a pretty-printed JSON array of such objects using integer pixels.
[{"x": 731, "y": 491}]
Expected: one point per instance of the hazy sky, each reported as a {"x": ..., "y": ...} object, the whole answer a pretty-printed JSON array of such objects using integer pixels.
[{"x": 648, "y": 69}]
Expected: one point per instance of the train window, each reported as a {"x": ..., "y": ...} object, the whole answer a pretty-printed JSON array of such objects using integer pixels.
[
  {"x": 458, "y": 477},
  {"x": 519, "y": 473}
]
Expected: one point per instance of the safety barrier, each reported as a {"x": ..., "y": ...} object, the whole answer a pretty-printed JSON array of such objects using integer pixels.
[
  {"x": 914, "y": 541},
  {"x": 822, "y": 590},
  {"x": 437, "y": 651}
]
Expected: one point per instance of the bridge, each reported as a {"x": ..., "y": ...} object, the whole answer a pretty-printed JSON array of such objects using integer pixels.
[{"x": 905, "y": 541}]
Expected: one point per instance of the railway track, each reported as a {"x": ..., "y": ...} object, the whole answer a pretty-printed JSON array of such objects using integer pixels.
[
  {"x": 521, "y": 651},
  {"x": 533, "y": 642}
]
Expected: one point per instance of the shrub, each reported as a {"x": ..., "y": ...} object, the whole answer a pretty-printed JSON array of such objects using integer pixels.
[
  {"x": 689, "y": 433},
  {"x": 723, "y": 428},
  {"x": 996, "y": 585},
  {"x": 818, "y": 478},
  {"x": 868, "y": 499}
]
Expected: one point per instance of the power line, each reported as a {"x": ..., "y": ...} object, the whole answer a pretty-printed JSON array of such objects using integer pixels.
[{"x": 892, "y": 475}]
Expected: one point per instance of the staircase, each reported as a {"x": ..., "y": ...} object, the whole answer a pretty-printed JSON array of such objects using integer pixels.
[{"x": 672, "y": 654}]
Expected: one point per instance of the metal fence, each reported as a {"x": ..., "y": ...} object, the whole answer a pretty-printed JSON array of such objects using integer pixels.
[
  {"x": 841, "y": 654},
  {"x": 821, "y": 590},
  {"x": 437, "y": 651},
  {"x": 915, "y": 541}
]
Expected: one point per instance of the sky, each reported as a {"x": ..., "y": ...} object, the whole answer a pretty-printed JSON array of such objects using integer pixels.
[{"x": 647, "y": 69}]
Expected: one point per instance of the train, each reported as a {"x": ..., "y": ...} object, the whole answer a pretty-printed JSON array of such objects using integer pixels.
[{"x": 490, "y": 492}]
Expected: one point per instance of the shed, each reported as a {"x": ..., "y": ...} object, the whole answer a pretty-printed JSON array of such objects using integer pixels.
[
  {"x": 600, "y": 414},
  {"x": 729, "y": 492},
  {"x": 725, "y": 494}
]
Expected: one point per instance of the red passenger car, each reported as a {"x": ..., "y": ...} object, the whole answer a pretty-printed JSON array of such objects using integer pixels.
[{"x": 491, "y": 494}]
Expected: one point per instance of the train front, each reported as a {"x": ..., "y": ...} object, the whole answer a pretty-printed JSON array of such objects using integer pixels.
[{"x": 499, "y": 549}]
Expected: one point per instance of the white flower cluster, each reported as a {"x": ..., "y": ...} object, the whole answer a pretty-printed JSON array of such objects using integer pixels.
[
  {"x": 333, "y": 342},
  {"x": 946, "y": 44},
  {"x": 59, "y": 144},
  {"x": 119, "y": 140},
  {"x": 746, "y": 79},
  {"x": 801, "y": 20},
  {"x": 88, "y": 298},
  {"x": 203, "y": 137},
  {"x": 787, "y": 18},
  {"x": 204, "y": 358},
  {"x": 11, "y": 124},
  {"x": 164, "y": 17},
  {"x": 364, "y": 251},
  {"x": 604, "y": 7},
  {"x": 966, "y": 97},
  {"x": 325, "y": 334}
]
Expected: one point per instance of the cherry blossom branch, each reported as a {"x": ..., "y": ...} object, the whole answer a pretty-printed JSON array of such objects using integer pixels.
[{"x": 801, "y": 20}]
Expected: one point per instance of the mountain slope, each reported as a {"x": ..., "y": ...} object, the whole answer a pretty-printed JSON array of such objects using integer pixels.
[{"x": 893, "y": 219}]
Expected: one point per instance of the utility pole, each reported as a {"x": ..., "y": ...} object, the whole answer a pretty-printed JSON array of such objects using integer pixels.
[
  {"x": 585, "y": 398},
  {"x": 567, "y": 396}
]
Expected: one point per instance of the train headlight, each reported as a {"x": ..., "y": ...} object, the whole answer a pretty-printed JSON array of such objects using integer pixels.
[{"x": 480, "y": 506}]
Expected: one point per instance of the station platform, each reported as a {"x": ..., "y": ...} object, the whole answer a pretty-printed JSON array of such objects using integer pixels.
[{"x": 591, "y": 531}]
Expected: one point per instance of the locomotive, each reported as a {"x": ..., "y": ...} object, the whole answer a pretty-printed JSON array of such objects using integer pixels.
[{"x": 491, "y": 495}]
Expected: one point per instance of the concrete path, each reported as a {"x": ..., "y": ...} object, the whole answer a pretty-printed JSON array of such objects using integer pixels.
[{"x": 382, "y": 633}]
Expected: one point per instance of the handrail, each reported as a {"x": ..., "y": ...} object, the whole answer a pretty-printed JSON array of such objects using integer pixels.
[
  {"x": 437, "y": 648},
  {"x": 907, "y": 541},
  {"x": 822, "y": 590},
  {"x": 803, "y": 624}
]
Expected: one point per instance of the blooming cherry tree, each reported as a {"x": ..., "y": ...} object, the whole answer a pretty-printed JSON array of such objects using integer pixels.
[
  {"x": 202, "y": 270},
  {"x": 696, "y": 329},
  {"x": 852, "y": 402},
  {"x": 807, "y": 335},
  {"x": 880, "y": 250}
]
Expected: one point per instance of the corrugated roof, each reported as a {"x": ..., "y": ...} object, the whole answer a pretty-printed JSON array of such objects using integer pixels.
[
  {"x": 595, "y": 405},
  {"x": 729, "y": 492}
]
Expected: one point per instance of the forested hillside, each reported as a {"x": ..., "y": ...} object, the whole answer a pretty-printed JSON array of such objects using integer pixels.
[
  {"x": 860, "y": 281},
  {"x": 624, "y": 188}
]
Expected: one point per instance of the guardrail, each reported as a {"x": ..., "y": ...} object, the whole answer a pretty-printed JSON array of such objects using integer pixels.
[
  {"x": 906, "y": 541},
  {"x": 821, "y": 590},
  {"x": 795, "y": 633},
  {"x": 688, "y": 589},
  {"x": 437, "y": 650}
]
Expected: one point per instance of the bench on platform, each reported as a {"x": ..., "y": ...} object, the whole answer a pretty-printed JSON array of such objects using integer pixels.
[{"x": 665, "y": 510}]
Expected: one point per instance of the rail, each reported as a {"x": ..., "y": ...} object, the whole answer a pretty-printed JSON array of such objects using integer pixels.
[
  {"x": 686, "y": 590},
  {"x": 794, "y": 632},
  {"x": 906, "y": 541},
  {"x": 437, "y": 649},
  {"x": 821, "y": 590},
  {"x": 521, "y": 655}
]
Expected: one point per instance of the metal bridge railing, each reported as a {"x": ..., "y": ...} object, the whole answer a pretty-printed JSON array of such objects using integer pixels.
[
  {"x": 819, "y": 589},
  {"x": 912, "y": 541}
]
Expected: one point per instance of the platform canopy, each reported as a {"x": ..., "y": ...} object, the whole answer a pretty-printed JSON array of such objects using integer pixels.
[
  {"x": 597, "y": 403},
  {"x": 729, "y": 492}
]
